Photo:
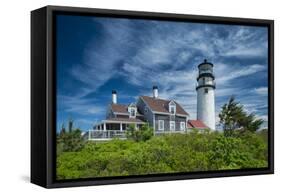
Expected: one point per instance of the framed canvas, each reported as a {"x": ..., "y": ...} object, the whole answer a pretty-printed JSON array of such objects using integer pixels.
[{"x": 126, "y": 96}]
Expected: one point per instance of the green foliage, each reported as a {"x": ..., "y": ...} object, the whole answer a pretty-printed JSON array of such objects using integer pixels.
[
  {"x": 144, "y": 133},
  {"x": 70, "y": 141},
  {"x": 233, "y": 116},
  {"x": 194, "y": 151}
]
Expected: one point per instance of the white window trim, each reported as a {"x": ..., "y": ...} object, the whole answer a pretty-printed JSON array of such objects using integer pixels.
[
  {"x": 145, "y": 109},
  {"x": 182, "y": 124},
  {"x": 170, "y": 109},
  {"x": 161, "y": 129},
  {"x": 171, "y": 126},
  {"x": 129, "y": 110},
  {"x": 172, "y": 104}
]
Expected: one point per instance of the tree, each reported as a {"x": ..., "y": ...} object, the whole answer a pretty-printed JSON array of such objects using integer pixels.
[
  {"x": 70, "y": 124},
  {"x": 62, "y": 129},
  {"x": 70, "y": 141},
  {"x": 233, "y": 116},
  {"x": 250, "y": 123},
  {"x": 144, "y": 133},
  {"x": 230, "y": 114}
]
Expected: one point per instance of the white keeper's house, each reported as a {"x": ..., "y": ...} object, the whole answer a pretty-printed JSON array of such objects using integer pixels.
[{"x": 163, "y": 115}]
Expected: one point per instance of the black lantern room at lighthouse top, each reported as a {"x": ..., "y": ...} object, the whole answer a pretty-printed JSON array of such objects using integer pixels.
[{"x": 206, "y": 71}]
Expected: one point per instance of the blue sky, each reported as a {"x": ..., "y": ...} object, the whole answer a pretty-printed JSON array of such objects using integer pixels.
[{"x": 97, "y": 55}]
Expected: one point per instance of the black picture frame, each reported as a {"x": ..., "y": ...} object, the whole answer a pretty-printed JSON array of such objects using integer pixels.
[{"x": 43, "y": 101}]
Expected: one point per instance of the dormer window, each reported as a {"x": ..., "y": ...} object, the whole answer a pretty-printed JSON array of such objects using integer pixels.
[
  {"x": 145, "y": 109},
  {"x": 133, "y": 112},
  {"x": 172, "y": 107},
  {"x": 132, "y": 109}
]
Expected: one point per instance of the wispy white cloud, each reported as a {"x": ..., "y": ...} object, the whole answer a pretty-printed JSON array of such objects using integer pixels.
[
  {"x": 76, "y": 104},
  {"x": 227, "y": 73},
  {"x": 243, "y": 43},
  {"x": 261, "y": 91}
]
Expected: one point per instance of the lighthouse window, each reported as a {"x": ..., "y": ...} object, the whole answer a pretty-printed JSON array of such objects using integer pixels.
[{"x": 206, "y": 90}]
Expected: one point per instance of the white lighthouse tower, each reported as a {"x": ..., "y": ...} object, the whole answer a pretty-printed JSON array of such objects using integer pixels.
[{"x": 206, "y": 94}]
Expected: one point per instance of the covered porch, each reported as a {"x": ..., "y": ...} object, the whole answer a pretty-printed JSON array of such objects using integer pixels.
[{"x": 113, "y": 128}]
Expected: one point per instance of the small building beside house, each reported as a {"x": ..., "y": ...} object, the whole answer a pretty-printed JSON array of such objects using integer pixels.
[{"x": 196, "y": 124}]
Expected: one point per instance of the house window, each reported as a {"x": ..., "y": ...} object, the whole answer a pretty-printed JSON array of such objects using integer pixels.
[
  {"x": 145, "y": 109},
  {"x": 172, "y": 108},
  {"x": 161, "y": 125},
  {"x": 182, "y": 126},
  {"x": 133, "y": 112},
  {"x": 172, "y": 125},
  {"x": 206, "y": 90}
]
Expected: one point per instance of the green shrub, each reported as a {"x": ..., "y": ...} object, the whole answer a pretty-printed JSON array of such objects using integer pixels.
[
  {"x": 194, "y": 151},
  {"x": 69, "y": 141},
  {"x": 144, "y": 133}
]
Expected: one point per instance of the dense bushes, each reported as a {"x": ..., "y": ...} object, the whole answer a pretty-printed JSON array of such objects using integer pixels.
[
  {"x": 144, "y": 133},
  {"x": 195, "y": 151},
  {"x": 69, "y": 141}
]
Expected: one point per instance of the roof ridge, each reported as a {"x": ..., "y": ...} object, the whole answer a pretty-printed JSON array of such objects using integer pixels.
[{"x": 157, "y": 98}]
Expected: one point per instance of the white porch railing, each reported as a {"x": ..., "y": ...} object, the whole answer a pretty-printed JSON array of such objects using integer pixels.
[
  {"x": 106, "y": 135},
  {"x": 110, "y": 134}
]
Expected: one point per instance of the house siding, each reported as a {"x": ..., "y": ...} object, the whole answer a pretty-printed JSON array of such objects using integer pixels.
[
  {"x": 147, "y": 115},
  {"x": 179, "y": 120},
  {"x": 167, "y": 119},
  {"x": 109, "y": 114}
]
